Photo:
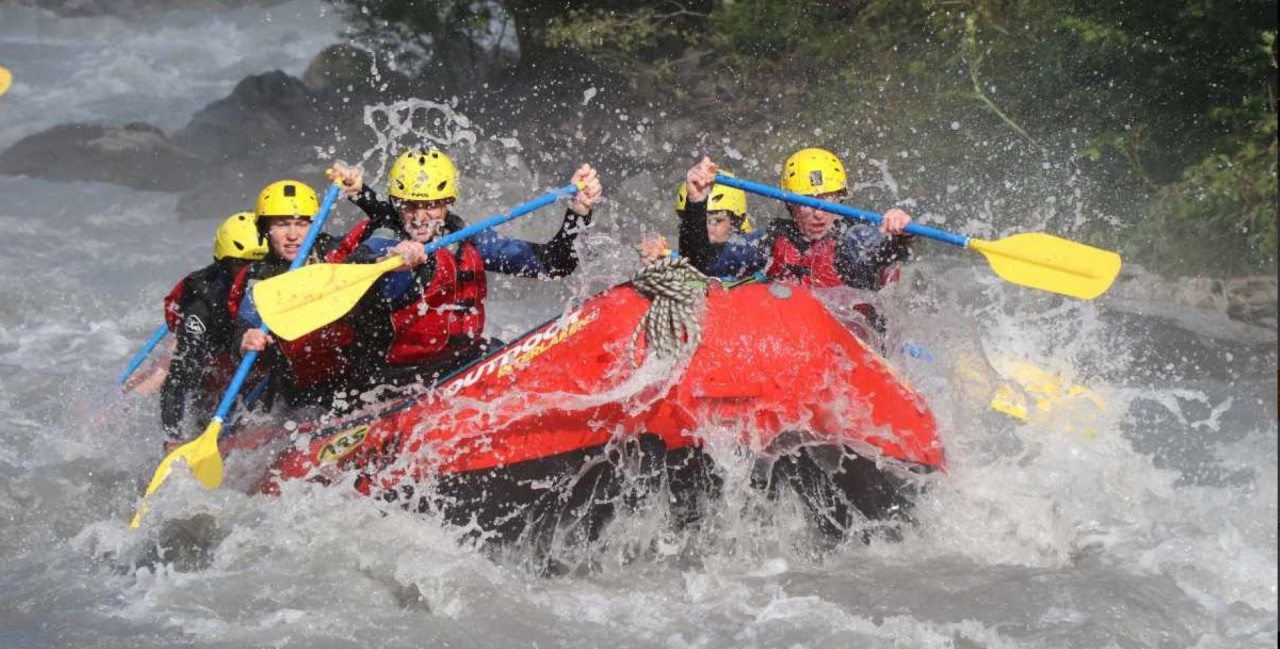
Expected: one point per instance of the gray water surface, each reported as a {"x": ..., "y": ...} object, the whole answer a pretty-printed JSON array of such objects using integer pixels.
[{"x": 1143, "y": 515}]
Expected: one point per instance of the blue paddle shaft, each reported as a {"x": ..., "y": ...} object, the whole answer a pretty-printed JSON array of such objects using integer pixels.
[
  {"x": 242, "y": 372},
  {"x": 143, "y": 353},
  {"x": 518, "y": 211},
  {"x": 837, "y": 208}
]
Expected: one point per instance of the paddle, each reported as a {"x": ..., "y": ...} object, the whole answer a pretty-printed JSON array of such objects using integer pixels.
[
  {"x": 142, "y": 354},
  {"x": 297, "y": 303},
  {"x": 1033, "y": 259},
  {"x": 201, "y": 454}
]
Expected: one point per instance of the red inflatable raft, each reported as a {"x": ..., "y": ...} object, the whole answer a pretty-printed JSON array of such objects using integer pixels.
[{"x": 561, "y": 424}]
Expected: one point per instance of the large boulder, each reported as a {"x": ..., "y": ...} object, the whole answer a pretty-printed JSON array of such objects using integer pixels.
[
  {"x": 1252, "y": 299},
  {"x": 269, "y": 115},
  {"x": 267, "y": 129},
  {"x": 274, "y": 126},
  {"x": 136, "y": 155},
  {"x": 340, "y": 67}
]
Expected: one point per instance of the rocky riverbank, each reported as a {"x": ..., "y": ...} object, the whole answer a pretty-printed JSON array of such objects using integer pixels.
[
  {"x": 277, "y": 125},
  {"x": 1250, "y": 300}
]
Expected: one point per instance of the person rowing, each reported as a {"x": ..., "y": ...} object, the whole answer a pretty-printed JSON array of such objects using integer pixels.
[
  {"x": 197, "y": 313},
  {"x": 428, "y": 317},
  {"x": 813, "y": 247}
]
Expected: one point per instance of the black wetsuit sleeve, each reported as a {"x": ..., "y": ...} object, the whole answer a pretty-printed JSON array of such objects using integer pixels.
[
  {"x": 897, "y": 248},
  {"x": 381, "y": 212},
  {"x": 193, "y": 353},
  {"x": 557, "y": 256},
  {"x": 695, "y": 245},
  {"x": 865, "y": 255}
]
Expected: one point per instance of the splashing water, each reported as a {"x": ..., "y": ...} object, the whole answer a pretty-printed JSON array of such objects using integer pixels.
[
  {"x": 414, "y": 123},
  {"x": 1140, "y": 511}
]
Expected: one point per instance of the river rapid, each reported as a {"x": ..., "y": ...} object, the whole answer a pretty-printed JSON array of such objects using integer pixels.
[{"x": 1139, "y": 512}]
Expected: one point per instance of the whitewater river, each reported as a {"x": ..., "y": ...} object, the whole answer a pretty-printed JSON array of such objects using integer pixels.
[{"x": 1140, "y": 513}]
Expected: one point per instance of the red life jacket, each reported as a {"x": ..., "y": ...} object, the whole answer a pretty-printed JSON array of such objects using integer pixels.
[
  {"x": 172, "y": 317},
  {"x": 890, "y": 274},
  {"x": 349, "y": 243},
  {"x": 450, "y": 314},
  {"x": 314, "y": 359},
  {"x": 816, "y": 266},
  {"x": 813, "y": 268}
]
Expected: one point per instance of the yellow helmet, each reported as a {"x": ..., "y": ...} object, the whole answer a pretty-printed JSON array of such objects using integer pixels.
[
  {"x": 729, "y": 199},
  {"x": 811, "y": 172},
  {"x": 287, "y": 198},
  {"x": 423, "y": 175},
  {"x": 238, "y": 238}
]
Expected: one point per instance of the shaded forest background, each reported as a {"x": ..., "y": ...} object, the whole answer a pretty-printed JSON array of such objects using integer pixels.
[{"x": 1148, "y": 127}]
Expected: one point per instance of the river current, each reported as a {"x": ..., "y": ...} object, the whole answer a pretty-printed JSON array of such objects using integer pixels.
[{"x": 1139, "y": 512}]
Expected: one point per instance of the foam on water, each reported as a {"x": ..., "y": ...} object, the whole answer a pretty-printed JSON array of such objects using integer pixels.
[{"x": 1055, "y": 532}]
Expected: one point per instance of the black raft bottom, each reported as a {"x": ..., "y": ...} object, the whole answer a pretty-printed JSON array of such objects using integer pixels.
[{"x": 569, "y": 498}]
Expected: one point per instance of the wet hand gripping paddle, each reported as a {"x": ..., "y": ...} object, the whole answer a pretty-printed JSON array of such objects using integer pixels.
[
  {"x": 201, "y": 454},
  {"x": 1032, "y": 259},
  {"x": 297, "y": 303}
]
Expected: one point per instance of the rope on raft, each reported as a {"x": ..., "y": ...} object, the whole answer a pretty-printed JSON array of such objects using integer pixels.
[{"x": 673, "y": 324}]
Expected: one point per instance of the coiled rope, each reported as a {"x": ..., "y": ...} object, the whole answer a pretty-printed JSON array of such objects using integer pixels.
[{"x": 673, "y": 324}]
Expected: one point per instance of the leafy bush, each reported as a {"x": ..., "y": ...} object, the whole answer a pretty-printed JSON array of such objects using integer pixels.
[{"x": 1153, "y": 124}]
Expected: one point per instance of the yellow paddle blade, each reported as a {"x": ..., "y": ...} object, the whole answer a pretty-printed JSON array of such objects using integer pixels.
[
  {"x": 6, "y": 78},
  {"x": 1008, "y": 401},
  {"x": 201, "y": 454},
  {"x": 300, "y": 301},
  {"x": 1051, "y": 263}
]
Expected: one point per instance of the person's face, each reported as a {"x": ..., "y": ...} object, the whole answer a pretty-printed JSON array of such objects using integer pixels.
[
  {"x": 285, "y": 235},
  {"x": 424, "y": 220},
  {"x": 814, "y": 224},
  {"x": 719, "y": 226}
]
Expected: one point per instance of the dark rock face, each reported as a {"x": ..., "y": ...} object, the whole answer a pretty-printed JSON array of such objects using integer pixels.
[
  {"x": 274, "y": 126},
  {"x": 136, "y": 155},
  {"x": 562, "y": 110},
  {"x": 267, "y": 129},
  {"x": 1252, "y": 299},
  {"x": 340, "y": 66},
  {"x": 270, "y": 114}
]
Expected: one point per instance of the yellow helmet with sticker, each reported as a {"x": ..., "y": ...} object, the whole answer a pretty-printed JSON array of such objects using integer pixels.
[
  {"x": 423, "y": 175},
  {"x": 722, "y": 197},
  {"x": 287, "y": 198},
  {"x": 811, "y": 172},
  {"x": 238, "y": 238}
]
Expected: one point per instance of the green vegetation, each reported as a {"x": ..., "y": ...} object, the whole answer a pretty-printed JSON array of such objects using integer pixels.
[{"x": 1152, "y": 124}]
